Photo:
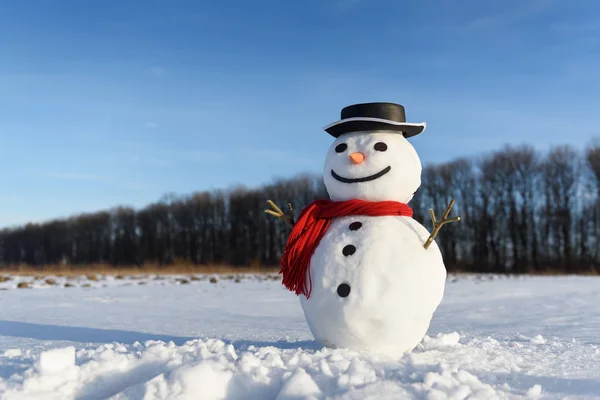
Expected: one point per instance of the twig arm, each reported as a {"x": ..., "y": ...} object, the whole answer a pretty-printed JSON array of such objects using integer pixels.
[
  {"x": 438, "y": 225},
  {"x": 291, "y": 217},
  {"x": 277, "y": 212},
  {"x": 432, "y": 216}
]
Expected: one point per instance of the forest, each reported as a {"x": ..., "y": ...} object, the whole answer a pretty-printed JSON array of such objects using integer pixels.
[{"x": 522, "y": 211}]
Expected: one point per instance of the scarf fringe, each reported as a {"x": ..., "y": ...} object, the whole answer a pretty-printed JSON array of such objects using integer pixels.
[{"x": 313, "y": 222}]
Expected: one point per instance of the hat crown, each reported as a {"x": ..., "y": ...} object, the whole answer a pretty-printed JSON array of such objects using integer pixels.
[
  {"x": 388, "y": 111},
  {"x": 374, "y": 117}
]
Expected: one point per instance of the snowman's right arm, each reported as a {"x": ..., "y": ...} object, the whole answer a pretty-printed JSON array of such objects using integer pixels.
[{"x": 277, "y": 212}]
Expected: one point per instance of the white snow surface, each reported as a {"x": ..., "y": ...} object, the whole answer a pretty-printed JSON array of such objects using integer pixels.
[{"x": 491, "y": 338}]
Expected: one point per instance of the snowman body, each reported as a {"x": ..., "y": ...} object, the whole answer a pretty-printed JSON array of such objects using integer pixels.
[
  {"x": 395, "y": 285},
  {"x": 374, "y": 286}
]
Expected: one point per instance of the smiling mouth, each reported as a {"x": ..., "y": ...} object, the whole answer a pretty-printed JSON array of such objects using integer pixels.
[{"x": 365, "y": 179}]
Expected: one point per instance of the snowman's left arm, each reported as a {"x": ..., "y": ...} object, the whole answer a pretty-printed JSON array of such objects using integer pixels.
[
  {"x": 277, "y": 212},
  {"x": 438, "y": 225}
]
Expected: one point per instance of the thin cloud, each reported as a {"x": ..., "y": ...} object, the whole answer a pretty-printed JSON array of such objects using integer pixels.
[{"x": 151, "y": 125}]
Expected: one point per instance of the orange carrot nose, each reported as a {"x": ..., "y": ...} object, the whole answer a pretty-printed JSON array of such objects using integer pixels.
[{"x": 357, "y": 158}]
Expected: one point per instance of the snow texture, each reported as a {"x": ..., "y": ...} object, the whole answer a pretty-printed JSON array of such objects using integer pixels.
[{"x": 491, "y": 338}]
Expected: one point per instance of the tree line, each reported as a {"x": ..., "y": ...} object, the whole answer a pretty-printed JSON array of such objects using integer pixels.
[{"x": 522, "y": 211}]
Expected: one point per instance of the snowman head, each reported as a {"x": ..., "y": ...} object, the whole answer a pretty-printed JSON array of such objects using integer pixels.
[
  {"x": 373, "y": 166},
  {"x": 371, "y": 158}
]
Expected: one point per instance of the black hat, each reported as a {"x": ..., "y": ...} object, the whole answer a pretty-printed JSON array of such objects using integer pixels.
[{"x": 374, "y": 117}]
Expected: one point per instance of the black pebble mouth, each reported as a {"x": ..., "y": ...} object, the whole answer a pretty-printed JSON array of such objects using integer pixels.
[{"x": 365, "y": 179}]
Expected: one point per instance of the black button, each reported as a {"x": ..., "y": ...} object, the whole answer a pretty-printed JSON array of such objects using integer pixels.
[
  {"x": 348, "y": 250},
  {"x": 343, "y": 290},
  {"x": 355, "y": 226}
]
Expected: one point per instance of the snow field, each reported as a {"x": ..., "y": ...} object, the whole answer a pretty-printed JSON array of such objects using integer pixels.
[
  {"x": 492, "y": 338},
  {"x": 8, "y": 282}
]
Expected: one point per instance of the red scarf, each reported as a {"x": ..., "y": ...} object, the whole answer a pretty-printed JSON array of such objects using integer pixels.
[{"x": 311, "y": 227}]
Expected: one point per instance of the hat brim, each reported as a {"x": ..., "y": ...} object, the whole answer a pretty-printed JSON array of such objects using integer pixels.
[{"x": 358, "y": 124}]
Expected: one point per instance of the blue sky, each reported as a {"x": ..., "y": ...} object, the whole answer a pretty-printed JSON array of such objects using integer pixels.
[{"x": 119, "y": 102}]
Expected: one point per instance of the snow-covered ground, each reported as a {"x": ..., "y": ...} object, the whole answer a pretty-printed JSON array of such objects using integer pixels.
[
  {"x": 492, "y": 337},
  {"x": 99, "y": 280}
]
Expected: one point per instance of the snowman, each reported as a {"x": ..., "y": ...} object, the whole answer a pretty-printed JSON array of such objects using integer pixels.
[{"x": 368, "y": 275}]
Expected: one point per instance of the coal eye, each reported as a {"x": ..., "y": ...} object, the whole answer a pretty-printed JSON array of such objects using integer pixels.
[
  {"x": 380, "y": 146},
  {"x": 340, "y": 148}
]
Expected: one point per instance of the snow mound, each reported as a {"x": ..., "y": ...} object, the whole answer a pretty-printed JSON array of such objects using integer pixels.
[
  {"x": 441, "y": 341},
  {"x": 535, "y": 391},
  {"x": 538, "y": 339},
  {"x": 213, "y": 369}
]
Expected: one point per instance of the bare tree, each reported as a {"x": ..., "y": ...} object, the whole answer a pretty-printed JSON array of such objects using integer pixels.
[
  {"x": 521, "y": 212},
  {"x": 592, "y": 213},
  {"x": 562, "y": 169}
]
